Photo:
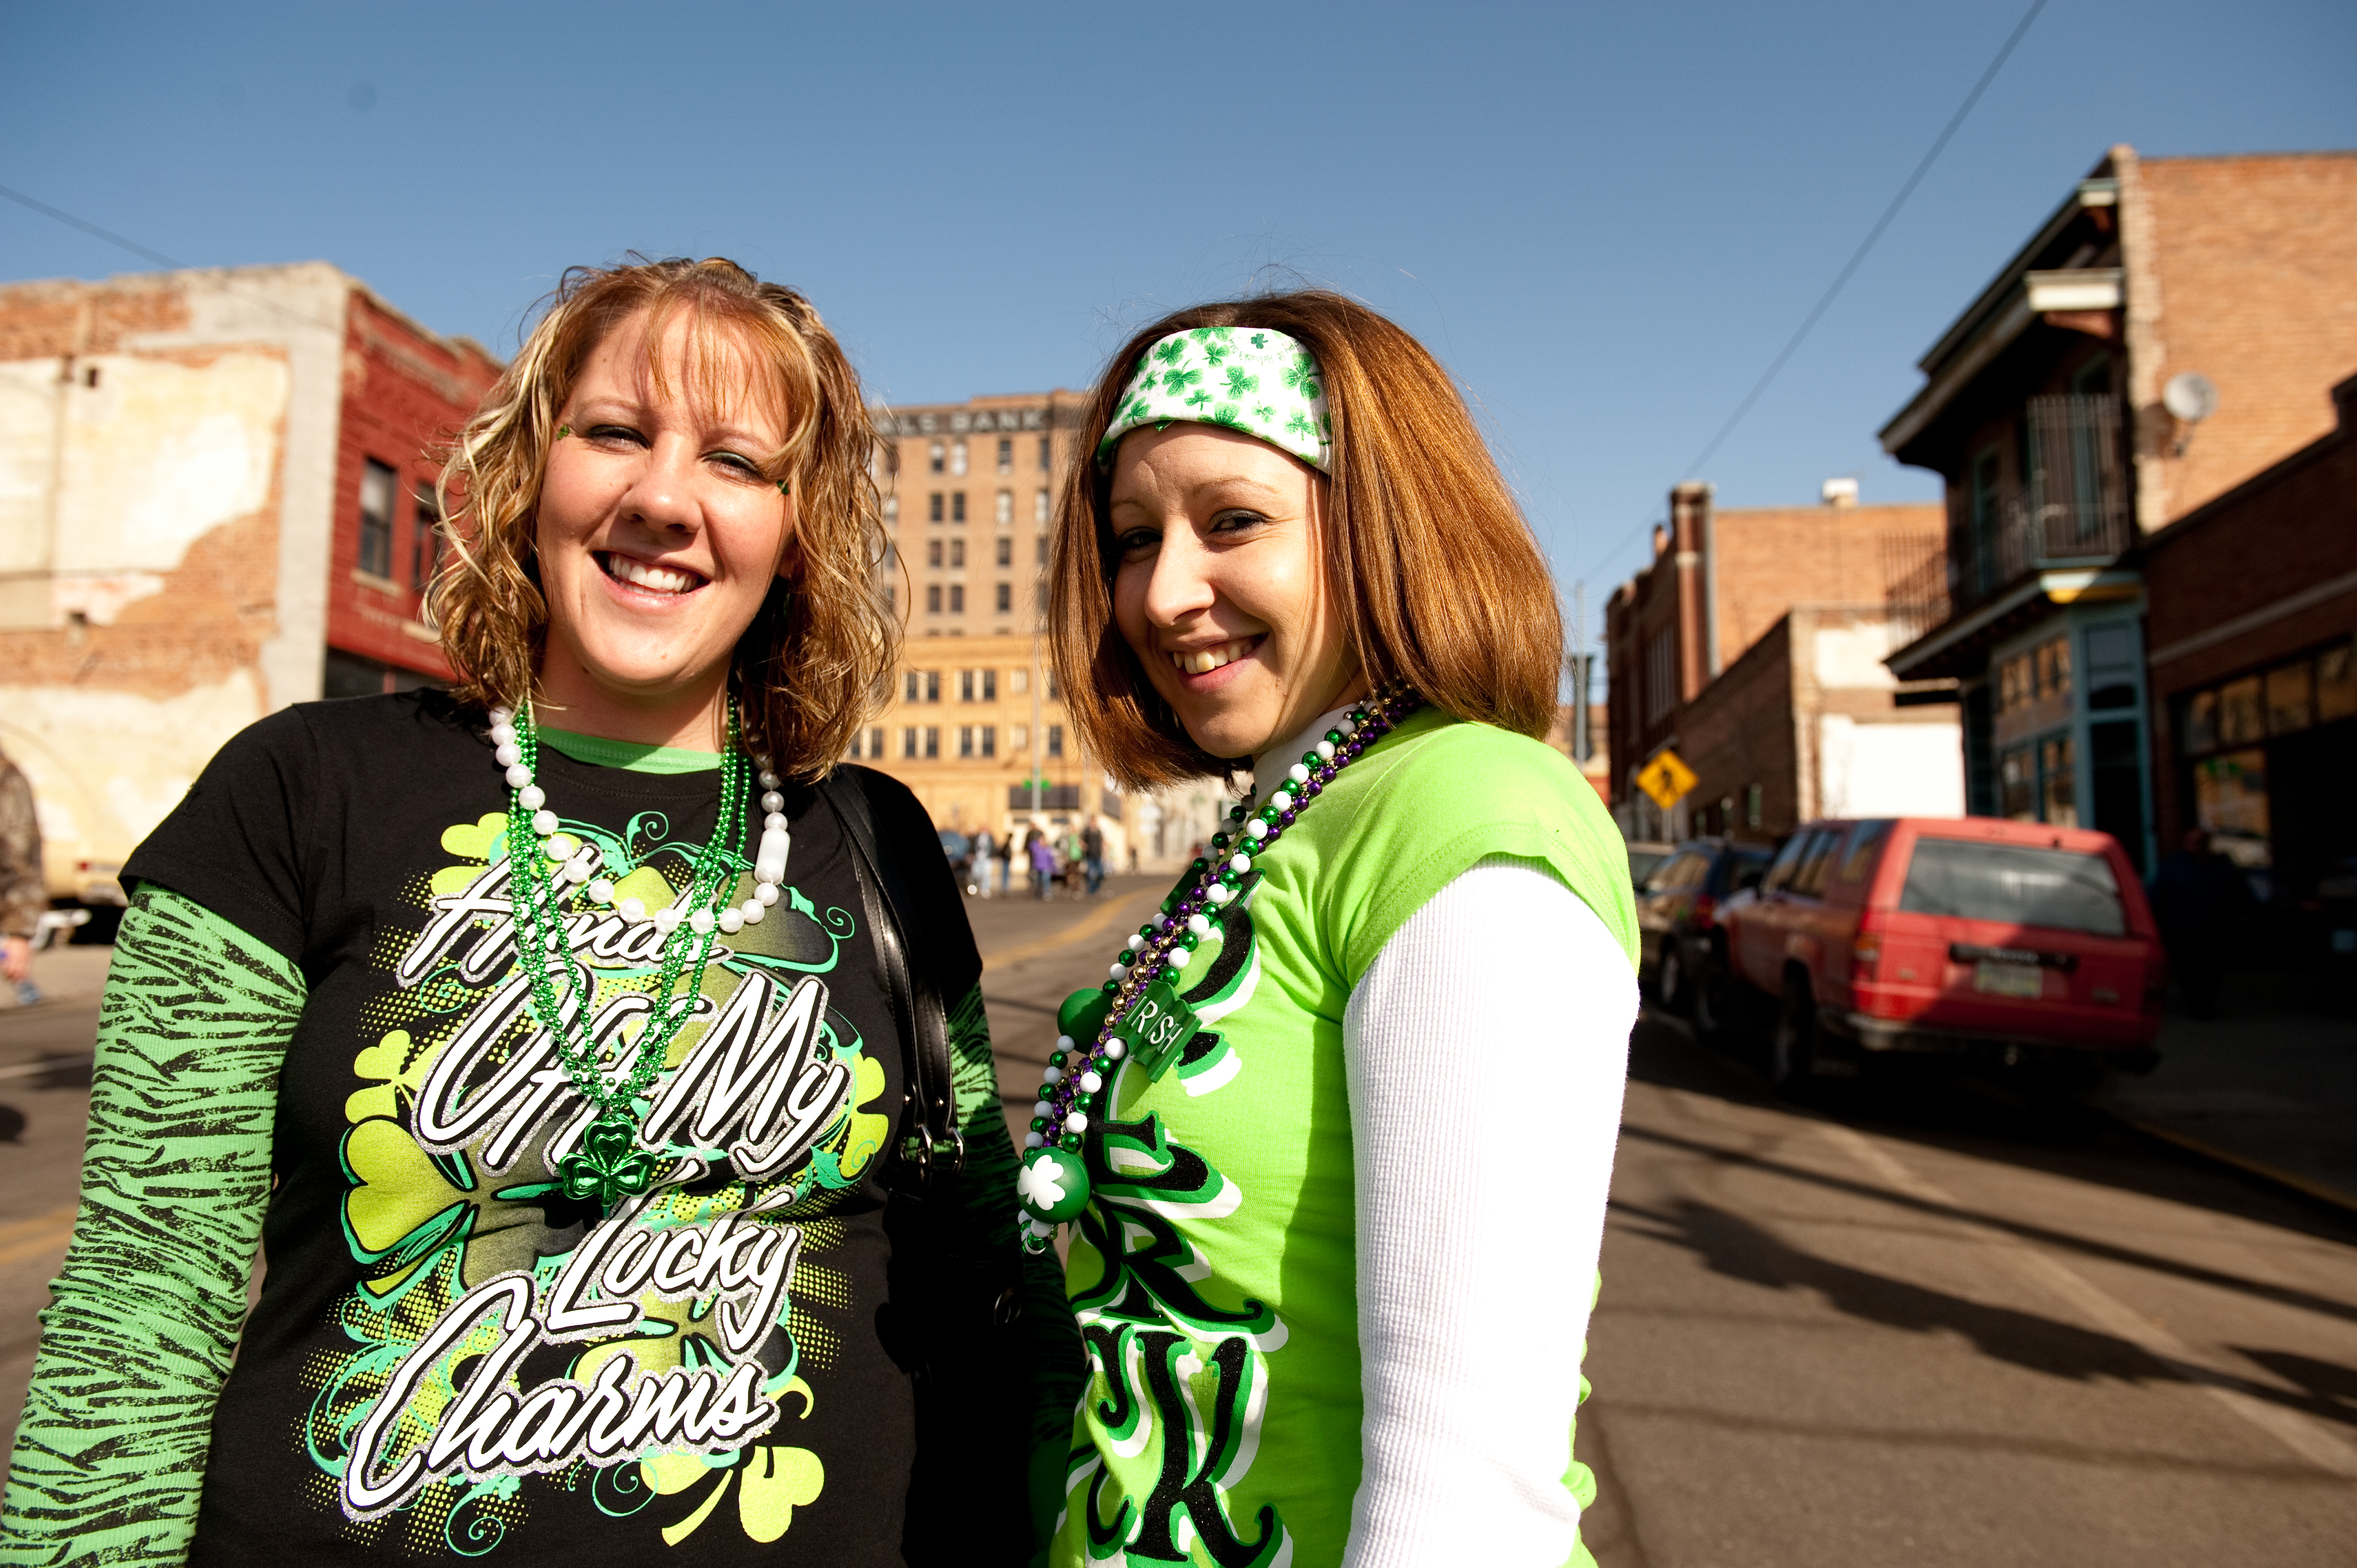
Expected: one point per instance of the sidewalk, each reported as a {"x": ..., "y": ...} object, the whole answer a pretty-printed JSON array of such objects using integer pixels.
[{"x": 2271, "y": 1086}]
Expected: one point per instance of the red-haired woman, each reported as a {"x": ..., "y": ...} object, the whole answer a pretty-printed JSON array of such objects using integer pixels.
[
  {"x": 1337, "y": 1130},
  {"x": 591, "y": 1056}
]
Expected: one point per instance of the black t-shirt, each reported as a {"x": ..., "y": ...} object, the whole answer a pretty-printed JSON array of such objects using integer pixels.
[{"x": 451, "y": 1359}]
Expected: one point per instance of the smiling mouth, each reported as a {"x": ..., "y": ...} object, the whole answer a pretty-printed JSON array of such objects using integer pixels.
[
  {"x": 1204, "y": 660},
  {"x": 653, "y": 579}
]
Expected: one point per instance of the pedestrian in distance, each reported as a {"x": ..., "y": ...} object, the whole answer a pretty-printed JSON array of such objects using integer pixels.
[
  {"x": 1042, "y": 857},
  {"x": 1287, "y": 558},
  {"x": 984, "y": 852},
  {"x": 24, "y": 888},
  {"x": 1092, "y": 845},
  {"x": 600, "y": 1054}
]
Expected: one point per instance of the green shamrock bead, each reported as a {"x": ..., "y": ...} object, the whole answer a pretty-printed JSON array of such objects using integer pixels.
[
  {"x": 1053, "y": 1185},
  {"x": 1083, "y": 1013}
]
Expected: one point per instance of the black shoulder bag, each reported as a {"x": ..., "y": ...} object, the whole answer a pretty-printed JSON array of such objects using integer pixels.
[{"x": 950, "y": 1319}]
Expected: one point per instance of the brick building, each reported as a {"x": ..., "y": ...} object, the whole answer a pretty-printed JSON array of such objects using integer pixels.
[
  {"x": 1750, "y": 646},
  {"x": 974, "y": 717},
  {"x": 210, "y": 507},
  {"x": 2251, "y": 610},
  {"x": 2174, "y": 328}
]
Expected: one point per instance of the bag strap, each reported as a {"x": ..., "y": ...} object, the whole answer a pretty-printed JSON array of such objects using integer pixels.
[{"x": 930, "y": 1136}]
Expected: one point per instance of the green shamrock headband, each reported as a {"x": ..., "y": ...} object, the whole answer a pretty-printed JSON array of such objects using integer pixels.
[
  {"x": 1248, "y": 379},
  {"x": 785, "y": 487}
]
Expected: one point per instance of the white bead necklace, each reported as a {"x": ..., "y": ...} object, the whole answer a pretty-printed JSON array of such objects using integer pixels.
[{"x": 579, "y": 861}]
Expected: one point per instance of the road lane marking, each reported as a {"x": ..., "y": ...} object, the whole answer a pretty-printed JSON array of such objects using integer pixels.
[
  {"x": 1079, "y": 933},
  {"x": 23, "y": 1239},
  {"x": 2303, "y": 1434}
]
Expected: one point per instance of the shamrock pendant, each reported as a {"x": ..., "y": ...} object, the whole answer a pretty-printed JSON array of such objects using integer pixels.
[
  {"x": 609, "y": 1164},
  {"x": 1053, "y": 1186}
]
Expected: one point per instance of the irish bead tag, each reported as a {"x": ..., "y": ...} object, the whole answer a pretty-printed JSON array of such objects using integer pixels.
[{"x": 1158, "y": 1028}]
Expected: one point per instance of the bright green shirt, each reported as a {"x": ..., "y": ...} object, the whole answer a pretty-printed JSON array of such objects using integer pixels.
[{"x": 1214, "y": 1275}]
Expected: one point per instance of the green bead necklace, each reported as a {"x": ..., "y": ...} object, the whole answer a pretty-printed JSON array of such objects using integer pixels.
[
  {"x": 1138, "y": 1012},
  {"x": 545, "y": 864}
]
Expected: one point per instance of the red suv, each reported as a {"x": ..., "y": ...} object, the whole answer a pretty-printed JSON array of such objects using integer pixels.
[{"x": 1963, "y": 936}]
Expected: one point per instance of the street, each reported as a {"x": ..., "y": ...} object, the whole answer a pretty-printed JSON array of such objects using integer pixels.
[{"x": 1923, "y": 1325}]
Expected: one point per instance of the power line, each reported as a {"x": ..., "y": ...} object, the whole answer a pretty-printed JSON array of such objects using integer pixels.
[
  {"x": 1841, "y": 279},
  {"x": 158, "y": 257}
]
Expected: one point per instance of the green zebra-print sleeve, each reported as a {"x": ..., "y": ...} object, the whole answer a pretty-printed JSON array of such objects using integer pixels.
[
  {"x": 110, "y": 1459},
  {"x": 1052, "y": 1340}
]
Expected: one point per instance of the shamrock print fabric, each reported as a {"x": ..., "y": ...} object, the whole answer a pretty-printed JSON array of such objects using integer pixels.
[{"x": 1249, "y": 379}]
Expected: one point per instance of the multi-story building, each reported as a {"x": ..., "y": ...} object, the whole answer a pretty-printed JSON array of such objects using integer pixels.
[
  {"x": 2172, "y": 329},
  {"x": 215, "y": 499},
  {"x": 1750, "y": 646},
  {"x": 974, "y": 724},
  {"x": 2252, "y": 614}
]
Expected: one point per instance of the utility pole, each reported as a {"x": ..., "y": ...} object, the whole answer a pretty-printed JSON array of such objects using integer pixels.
[{"x": 1583, "y": 745}]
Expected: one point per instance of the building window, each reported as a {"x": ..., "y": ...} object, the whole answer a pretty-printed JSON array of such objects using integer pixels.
[
  {"x": 377, "y": 490},
  {"x": 1055, "y": 740},
  {"x": 932, "y": 599},
  {"x": 1019, "y": 681},
  {"x": 957, "y": 458},
  {"x": 1005, "y": 509},
  {"x": 966, "y": 740},
  {"x": 1043, "y": 454},
  {"x": 892, "y": 508},
  {"x": 1043, "y": 599},
  {"x": 1660, "y": 674},
  {"x": 936, "y": 515},
  {"x": 1018, "y": 736},
  {"x": 933, "y": 552},
  {"x": 1043, "y": 545},
  {"x": 891, "y": 596},
  {"x": 426, "y": 541},
  {"x": 977, "y": 686},
  {"x": 2059, "y": 777},
  {"x": 1040, "y": 507},
  {"x": 957, "y": 554},
  {"x": 957, "y": 598},
  {"x": 1005, "y": 597},
  {"x": 957, "y": 507},
  {"x": 933, "y": 742},
  {"x": 1007, "y": 552},
  {"x": 921, "y": 686},
  {"x": 1055, "y": 690},
  {"x": 1006, "y": 455},
  {"x": 937, "y": 455},
  {"x": 909, "y": 742},
  {"x": 990, "y": 738},
  {"x": 876, "y": 741}
]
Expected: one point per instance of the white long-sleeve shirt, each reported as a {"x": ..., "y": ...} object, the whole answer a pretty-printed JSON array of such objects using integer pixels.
[{"x": 1486, "y": 1050}]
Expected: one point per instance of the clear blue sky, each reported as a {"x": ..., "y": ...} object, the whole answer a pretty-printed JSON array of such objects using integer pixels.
[{"x": 1605, "y": 219}]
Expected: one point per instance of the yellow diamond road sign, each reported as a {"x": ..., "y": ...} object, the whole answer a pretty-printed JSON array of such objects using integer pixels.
[{"x": 1666, "y": 778}]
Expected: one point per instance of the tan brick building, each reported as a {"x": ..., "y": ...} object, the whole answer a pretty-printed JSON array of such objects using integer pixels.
[
  {"x": 974, "y": 717},
  {"x": 1751, "y": 646},
  {"x": 2175, "y": 328},
  {"x": 214, "y": 502}
]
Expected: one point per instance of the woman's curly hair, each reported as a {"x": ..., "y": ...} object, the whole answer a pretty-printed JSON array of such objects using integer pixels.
[{"x": 808, "y": 670}]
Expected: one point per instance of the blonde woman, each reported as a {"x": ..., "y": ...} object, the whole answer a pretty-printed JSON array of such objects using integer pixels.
[
  {"x": 1335, "y": 1133},
  {"x": 600, "y": 1068}
]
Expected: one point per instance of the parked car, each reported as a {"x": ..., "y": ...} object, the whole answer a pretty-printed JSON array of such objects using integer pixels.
[
  {"x": 1679, "y": 940},
  {"x": 958, "y": 850},
  {"x": 1644, "y": 857},
  {"x": 2012, "y": 942}
]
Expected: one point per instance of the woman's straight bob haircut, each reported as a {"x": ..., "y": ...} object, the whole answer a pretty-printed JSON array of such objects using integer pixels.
[
  {"x": 808, "y": 670},
  {"x": 1442, "y": 587}
]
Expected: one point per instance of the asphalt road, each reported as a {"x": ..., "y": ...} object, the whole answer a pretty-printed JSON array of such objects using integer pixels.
[{"x": 1926, "y": 1324}]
